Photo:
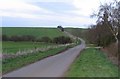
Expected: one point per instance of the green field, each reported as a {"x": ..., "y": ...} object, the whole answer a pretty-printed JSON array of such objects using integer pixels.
[
  {"x": 15, "y": 63},
  {"x": 92, "y": 63},
  {"x": 35, "y": 31},
  {"x": 13, "y": 47},
  {"x": 76, "y": 31},
  {"x": 10, "y": 47},
  {"x": 79, "y": 32}
]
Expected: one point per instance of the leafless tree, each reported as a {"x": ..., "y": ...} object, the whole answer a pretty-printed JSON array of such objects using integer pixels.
[{"x": 109, "y": 15}]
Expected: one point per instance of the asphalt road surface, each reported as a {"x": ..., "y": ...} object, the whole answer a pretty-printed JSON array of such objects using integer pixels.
[{"x": 54, "y": 66}]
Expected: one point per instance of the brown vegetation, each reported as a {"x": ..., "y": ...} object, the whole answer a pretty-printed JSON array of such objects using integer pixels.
[
  {"x": 112, "y": 53},
  {"x": 105, "y": 32}
]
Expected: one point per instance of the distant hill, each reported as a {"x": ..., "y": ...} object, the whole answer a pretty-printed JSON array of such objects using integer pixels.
[
  {"x": 35, "y": 31},
  {"x": 79, "y": 32}
]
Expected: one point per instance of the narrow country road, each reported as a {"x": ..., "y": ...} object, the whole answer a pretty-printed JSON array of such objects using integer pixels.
[{"x": 54, "y": 66}]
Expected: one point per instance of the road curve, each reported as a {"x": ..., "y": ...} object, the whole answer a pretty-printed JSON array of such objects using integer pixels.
[{"x": 53, "y": 66}]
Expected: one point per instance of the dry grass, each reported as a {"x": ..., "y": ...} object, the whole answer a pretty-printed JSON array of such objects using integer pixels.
[{"x": 112, "y": 52}]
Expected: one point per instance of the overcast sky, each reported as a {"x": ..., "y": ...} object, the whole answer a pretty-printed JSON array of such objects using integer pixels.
[{"x": 25, "y": 13}]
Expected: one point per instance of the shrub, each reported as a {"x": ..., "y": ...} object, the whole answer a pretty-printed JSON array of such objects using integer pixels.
[
  {"x": 61, "y": 28},
  {"x": 45, "y": 39},
  {"x": 5, "y": 38},
  {"x": 28, "y": 38},
  {"x": 15, "y": 38},
  {"x": 107, "y": 40},
  {"x": 62, "y": 40},
  {"x": 22, "y": 38},
  {"x": 100, "y": 35}
]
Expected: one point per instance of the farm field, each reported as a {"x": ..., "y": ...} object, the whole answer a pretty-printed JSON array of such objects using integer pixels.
[
  {"x": 13, "y": 47},
  {"x": 37, "y": 32},
  {"x": 92, "y": 63},
  {"x": 18, "y": 54},
  {"x": 79, "y": 32},
  {"x": 18, "y": 62},
  {"x": 76, "y": 31}
]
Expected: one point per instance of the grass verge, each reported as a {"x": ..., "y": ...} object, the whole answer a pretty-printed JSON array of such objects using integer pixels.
[
  {"x": 15, "y": 63},
  {"x": 92, "y": 63}
]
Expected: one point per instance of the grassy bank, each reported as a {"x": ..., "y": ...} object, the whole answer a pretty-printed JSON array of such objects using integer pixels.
[
  {"x": 92, "y": 63},
  {"x": 15, "y": 63}
]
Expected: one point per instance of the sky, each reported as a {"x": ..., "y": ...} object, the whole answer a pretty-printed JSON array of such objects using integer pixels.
[{"x": 48, "y": 13}]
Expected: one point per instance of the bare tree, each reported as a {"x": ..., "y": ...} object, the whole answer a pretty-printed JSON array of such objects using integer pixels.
[{"x": 109, "y": 15}]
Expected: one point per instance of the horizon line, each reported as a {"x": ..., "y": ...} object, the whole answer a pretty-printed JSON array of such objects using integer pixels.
[{"x": 50, "y": 26}]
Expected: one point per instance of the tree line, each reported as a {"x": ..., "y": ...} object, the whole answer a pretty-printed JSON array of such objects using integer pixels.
[
  {"x": 57, "y": 40},
  {"x": 107, "y": 25}
]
